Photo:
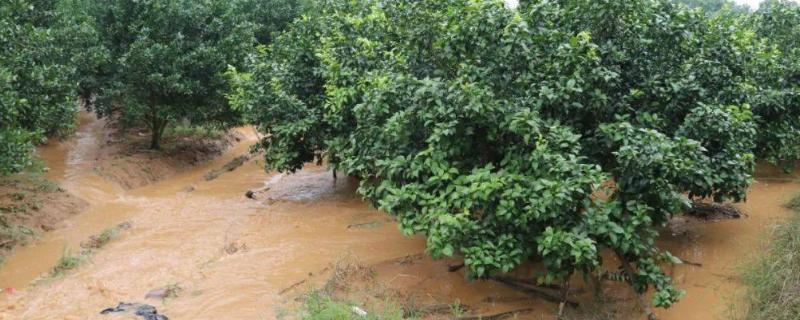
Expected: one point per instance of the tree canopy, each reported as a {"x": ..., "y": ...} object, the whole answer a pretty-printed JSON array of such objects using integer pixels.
[
  {"x": 712, "y": 6},
  {"x": 168, "y": 59},
  {"x": 555, "y": 131},
  {"x": 36, "y": 80},
  {"x": 776, "y": 80}
]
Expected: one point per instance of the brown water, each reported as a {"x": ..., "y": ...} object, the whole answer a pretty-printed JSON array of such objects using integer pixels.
[{"x": 179, "y": 237}]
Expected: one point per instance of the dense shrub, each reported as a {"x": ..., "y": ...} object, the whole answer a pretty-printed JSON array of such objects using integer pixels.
[
  {"x": 497, "y": 133},
  {"x": 36, "y": 82},
  {"x": 270, "y": 17},
  {"x": 167, "y": 60},
  {"x": 712, "y": 6},
  {"x": 776, "y": 73}
]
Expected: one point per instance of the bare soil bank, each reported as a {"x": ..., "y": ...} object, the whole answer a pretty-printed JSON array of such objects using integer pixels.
[
  {"x": 130, "y": 163},
  {"x": 29, "y": 205},
  {"x": 33, "y": 203}
]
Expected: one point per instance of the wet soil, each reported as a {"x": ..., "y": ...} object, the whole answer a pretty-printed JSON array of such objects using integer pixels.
[
  {"x": 126, "y": 157},
  {"x": 238, "y": 258},
  {"x": 30, "y": 205}
]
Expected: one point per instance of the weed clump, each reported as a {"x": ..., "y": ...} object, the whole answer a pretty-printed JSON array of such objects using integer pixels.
[
  {"x": 99, "y": 241},
  {"x": 193, "y": 132},
  {"x": 774, "y": 278},
  {"x": 68, "y": 262}
]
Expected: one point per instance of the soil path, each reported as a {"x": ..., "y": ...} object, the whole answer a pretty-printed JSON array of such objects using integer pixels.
[{"x": 232, "y": 256}]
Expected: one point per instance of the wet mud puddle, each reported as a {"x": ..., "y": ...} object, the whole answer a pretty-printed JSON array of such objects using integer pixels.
[{"x": 236, "y": 258}]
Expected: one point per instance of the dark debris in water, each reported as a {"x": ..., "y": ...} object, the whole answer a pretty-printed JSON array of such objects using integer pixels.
[{"x": 146, "y": 311}]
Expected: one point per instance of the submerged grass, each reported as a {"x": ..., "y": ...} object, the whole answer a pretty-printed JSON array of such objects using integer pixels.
[
  {"x": 67, "y": 262},
  {"x": 321, "y": 306},
  {"x": 193, "y": 131},
  {"x": 351, "y": 291},
  {"x": 70, "y": 261},
  {"x": 773, "y": 280},
  {"x": 101, "y": 240}
]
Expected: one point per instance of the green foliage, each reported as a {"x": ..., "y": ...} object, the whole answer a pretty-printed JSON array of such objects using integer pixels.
[
  {"x": 495, "y": 132},
  {"x": 193, "y": 132},
  {"x": 168, "y": 60},
  {"x": 776, "y": 72},
  {"x": 712, "y": 6},
  {"x": 82, "y": 40},
  {"x": 67, "y": 262},
  {"x": 36, "y": 88},
  {"x": 15, "y": 148},
  {"x": 269, "y": 16},
  {"x": 318, "y": 306}
]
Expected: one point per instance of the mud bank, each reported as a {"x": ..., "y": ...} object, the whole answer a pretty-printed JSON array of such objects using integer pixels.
[
  {"x": 77, "y": 165},
  {"x": 31, "y": 205},
  {"x": 237, "y": 258},
  {"x": 124, "y": 156}
]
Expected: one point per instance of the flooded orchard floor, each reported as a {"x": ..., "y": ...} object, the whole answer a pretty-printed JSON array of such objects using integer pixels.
[{"x": 184, "y": 227}]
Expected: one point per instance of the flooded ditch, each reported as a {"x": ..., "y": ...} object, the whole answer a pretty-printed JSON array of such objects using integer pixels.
[{"x": 236, "y": 258}]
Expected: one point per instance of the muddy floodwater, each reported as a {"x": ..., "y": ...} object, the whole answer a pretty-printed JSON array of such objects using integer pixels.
[{"x": 183, "y": 229}]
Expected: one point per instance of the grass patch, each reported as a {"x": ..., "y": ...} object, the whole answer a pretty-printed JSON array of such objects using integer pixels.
[
  {"x": 101, "y": 240},
  {"x": 21, "y": 195},
  {"x": 11, "y": 235},
  {"x": 352, "y": 291},
  {"x": 320, "y": 306},
  {"x": 29, "y": 181},
  {"x": 774, "y": 278},
  {"x": 794, "y": 204},
  {"x": 194, "y": 132},
  {"x": 68, "y": 262},
  {"x": 228, "y": 167}
]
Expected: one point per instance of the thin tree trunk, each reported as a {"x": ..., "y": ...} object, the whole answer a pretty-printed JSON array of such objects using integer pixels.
[
  {"x": 156, "y": 125},
  {"x": 545, "y": 294},
  {"x": 155, "y": 141},
  {"x": 648, "y": 311},
  {"x": 564, "y": 296},
  {"x": 597, "y": 284}
]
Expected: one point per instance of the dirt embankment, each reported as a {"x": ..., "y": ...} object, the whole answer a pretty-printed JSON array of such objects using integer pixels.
[
  {"x": 34, "y": 202},
  {"x": 130, "y": 163},
  {"x": 29, "y": 205}
]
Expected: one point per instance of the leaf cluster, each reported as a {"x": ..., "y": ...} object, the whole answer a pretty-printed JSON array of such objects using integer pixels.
[{"x": 554, "y": 132}]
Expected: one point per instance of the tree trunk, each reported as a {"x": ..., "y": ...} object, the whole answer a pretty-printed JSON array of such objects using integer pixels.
[
  {"x": 155, "y": 141},
  {"x": 157, "y": 125},
  {"x": 86, "y": 100},
  {"x": 545, "y": 294},
  {"x": 626, "y": 265},
  {"x": 564, "y": 295},
  {"x": 597, "y": 284}
]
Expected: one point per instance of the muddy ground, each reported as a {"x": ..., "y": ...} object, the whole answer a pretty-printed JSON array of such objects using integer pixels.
[
  {"x": 233, "y": 257},
  {"x": 30, "y": 205},
  {"x": 33, "y": 202},
  {"x": 126, "y": 158}
]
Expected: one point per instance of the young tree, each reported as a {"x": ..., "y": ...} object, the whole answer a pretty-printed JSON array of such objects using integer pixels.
[
  {"x": 493, "y": 132},
  {"x": 168, "y": 61}
]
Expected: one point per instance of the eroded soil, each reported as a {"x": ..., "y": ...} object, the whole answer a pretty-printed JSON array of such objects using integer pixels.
[
  {"x": 30, "y": 205},
  {"x": 237, "y": 258},
  {"x": 125, "y": 158}
]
